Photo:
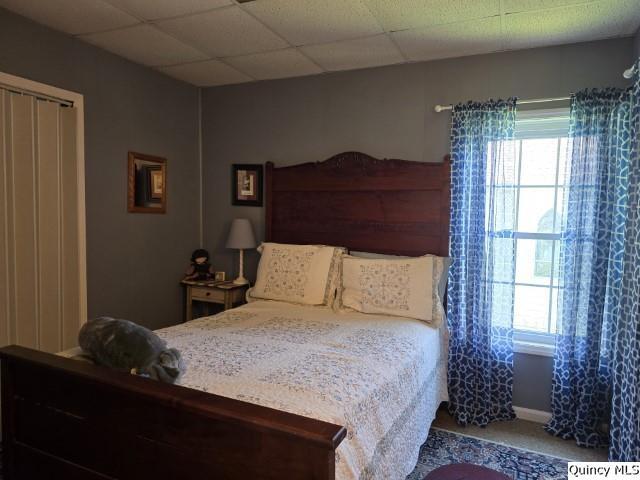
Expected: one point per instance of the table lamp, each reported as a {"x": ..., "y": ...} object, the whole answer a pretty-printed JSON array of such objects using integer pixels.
[{"x": 240, "y": 238}]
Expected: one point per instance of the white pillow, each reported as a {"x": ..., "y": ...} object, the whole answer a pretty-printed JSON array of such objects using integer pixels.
[
  {"x": 398, "y": 287},
  {"x": 296, "y": 273},
  {"x": 446, "y": 263}
]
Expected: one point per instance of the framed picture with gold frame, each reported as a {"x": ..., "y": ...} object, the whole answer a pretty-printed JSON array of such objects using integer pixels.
[{"x": 147, "y": 184}]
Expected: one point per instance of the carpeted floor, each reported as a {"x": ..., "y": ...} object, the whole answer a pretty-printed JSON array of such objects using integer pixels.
[{"x": 525, "y": 435}]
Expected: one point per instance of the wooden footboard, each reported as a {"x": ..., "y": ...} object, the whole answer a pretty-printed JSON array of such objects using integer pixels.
[{"x": 64, "y": 419}]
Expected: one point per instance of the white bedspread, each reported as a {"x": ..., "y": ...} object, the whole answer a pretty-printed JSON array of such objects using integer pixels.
[{"x": 380, "y": 377}]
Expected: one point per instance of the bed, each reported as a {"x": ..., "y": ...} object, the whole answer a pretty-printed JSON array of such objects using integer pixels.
[
  {"x": 382, "y": 378},
  {"x": 273, "y": 390}
]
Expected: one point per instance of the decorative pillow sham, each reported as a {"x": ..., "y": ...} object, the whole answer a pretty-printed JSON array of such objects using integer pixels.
[
  {"x": 398, "y": 287},
  {"x": 304, "y": 274},
  {"x": 446, "y": 263}
]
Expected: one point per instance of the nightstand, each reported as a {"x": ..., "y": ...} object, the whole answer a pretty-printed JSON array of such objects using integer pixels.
[{"x": 223, "y": 293}]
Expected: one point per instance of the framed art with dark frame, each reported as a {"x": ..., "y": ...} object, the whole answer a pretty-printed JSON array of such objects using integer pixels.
[{"x": 246, "y": 185}]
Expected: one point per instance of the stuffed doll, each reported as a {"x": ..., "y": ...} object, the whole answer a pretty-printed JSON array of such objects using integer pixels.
[
  {"x": 126, "y": 346},
  {"x": 200, "y": 268}
]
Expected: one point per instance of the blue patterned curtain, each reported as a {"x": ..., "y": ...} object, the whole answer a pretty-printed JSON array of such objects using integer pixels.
[
  {"x": 480, "y": 292},
  {"x": 589, "y": 256},
  {"x": 595, "y": 375},
  {"x": 625, "y": 364}
]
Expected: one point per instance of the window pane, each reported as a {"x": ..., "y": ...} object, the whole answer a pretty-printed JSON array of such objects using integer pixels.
[
  {"x": 557, "y": 266},
  {"x": 531, "y": 309},
  {"x": 503, "y": 259},
  {"x": 533, "y": 210},
  {"x": 505, "y": 171},
  {"x": 547, "y": 223},
  {"x": 561, "y": 209},
  {"x": 554, "y": 310},
  {"x": 539, "y": 160},
  {"x": 564, "y": 161},
  {"x": 501, "y": 206},
  {"x": 533, "y": 261},
  {"x": 502, "y": 304}
]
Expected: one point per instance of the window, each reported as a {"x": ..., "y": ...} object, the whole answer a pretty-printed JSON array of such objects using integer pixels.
[
  {"x": 540, "y": 163},
  {"x": 544, "y": 249}
]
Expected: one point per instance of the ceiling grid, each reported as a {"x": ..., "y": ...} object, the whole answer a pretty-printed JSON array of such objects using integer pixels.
[{"x": 219, "y": 42}]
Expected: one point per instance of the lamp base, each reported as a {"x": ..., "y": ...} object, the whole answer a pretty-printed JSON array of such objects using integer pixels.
[{"x": 241, "y": 280}]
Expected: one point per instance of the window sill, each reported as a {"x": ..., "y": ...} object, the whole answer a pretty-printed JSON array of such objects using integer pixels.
[{"x": 533, "y": 348}]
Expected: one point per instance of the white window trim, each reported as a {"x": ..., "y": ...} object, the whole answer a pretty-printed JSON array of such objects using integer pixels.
[
  {"x": 534, "y": 344},
  {"x": 530, "y": 348}
]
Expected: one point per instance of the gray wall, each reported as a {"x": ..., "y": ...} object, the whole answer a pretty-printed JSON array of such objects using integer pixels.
[
  {"x": 134, "y": 260},
  {"x": 385, "y": 112},
  {"x": 636, "y": 42}
]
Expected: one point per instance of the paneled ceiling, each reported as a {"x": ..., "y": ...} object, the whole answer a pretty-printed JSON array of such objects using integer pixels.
[{"x": 218, "y": 42}]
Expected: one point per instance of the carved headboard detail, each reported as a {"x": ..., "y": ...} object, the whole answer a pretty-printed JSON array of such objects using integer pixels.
[{"x": 353, "y": 200}]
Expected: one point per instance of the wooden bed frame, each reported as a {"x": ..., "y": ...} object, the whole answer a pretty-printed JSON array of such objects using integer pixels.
[
  {"x": 65, "y": 419},
  {"x": 353, "y": 200}
]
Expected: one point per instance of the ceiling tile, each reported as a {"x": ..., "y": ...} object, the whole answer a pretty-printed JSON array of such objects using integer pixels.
[
  {"x": 69, "y": 17},
  {"x": 302, "y": 22},
  {"x": 224, "y": 32},
  {"x": 514, "y": 6},
  {"x": 206, "y": 74},
  {"x": 402, "y": 14},
  {"x": 352, "y": 54},
  {"x": 577, "y": 23},
  {"x": 452, "y": 40},
  {"x": 155, "y": 9},
  {"x": 146, "y": 45},
  {"x": 278, "y": 64}
]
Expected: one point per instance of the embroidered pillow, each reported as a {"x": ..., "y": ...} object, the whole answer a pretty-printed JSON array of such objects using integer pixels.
[
  {"x": 446, "y": 263},
  {"x": 295, "y": 273},
  {"x": 398, "y": 287},
  {"x": 333, "y": 283}
]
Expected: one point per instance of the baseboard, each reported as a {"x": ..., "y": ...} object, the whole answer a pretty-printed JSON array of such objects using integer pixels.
[{"x": 538, "y": 416}]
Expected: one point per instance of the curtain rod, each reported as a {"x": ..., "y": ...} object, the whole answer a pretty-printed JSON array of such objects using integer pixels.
[
  {"x": 628, "y": 73},
  {"x": 441, "y": 108}
]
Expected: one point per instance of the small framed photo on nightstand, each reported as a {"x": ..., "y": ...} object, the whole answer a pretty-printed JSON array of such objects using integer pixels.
[
  {"x": 246, "y": 185},
  {"x": 219, "y": 277}
]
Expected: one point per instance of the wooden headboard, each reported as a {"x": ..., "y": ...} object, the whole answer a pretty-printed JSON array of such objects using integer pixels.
[{"x": 356, "y": 201}]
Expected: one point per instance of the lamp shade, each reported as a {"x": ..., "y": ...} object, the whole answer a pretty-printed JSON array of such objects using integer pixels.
[{"x": 241, "y": 234}]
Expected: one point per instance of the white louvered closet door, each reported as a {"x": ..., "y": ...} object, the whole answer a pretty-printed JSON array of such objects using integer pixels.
[{"x": 41, "y": 295}]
